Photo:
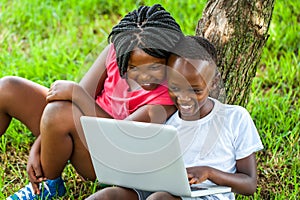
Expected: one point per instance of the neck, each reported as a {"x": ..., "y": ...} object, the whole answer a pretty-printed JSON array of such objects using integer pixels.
[{"x": 207, "y": 108}]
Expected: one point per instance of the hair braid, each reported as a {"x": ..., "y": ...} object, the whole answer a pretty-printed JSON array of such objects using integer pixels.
[{"x": 150, "y": 28}]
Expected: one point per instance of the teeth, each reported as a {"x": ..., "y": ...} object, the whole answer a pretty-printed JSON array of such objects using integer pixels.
[{"x": 186, "y": 107}]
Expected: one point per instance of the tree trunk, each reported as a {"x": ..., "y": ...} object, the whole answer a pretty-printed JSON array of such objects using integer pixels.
[{"x": 239, "y": 31}]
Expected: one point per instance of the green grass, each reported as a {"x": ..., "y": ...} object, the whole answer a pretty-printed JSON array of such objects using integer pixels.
[{"x": 58, "y": 39}]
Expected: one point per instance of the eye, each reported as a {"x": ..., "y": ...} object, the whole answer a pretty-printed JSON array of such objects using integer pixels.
[
  {"x": 173, "y": 88},
  {"x": 197, "y": 91},
  {"x": 132, "y": 68},
  {"x": 155, "y": 67}
]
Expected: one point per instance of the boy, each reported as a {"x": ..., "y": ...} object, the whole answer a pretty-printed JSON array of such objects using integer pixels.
[{"x": 219, "y": 141}]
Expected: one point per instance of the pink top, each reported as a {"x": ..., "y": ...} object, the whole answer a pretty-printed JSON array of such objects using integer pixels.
[{"x": 115, "y": 98}]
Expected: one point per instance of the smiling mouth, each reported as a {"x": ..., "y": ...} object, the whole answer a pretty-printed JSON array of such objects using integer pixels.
[
  {"x": 149, "y": 86},
  {"x": 186, "y": 107},
  {"x": 146, "y": 84}
]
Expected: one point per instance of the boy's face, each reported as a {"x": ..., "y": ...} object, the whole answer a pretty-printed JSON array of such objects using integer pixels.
[
  {"x": 188, "y": 83},
  {"x": 145, "y": 71}
]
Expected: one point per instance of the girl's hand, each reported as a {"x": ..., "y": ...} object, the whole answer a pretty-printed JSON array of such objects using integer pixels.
[
  {"x": 198, "y": 174},
  {"x": 61, "y": 90},
  {"x": 34, "y": 170}
]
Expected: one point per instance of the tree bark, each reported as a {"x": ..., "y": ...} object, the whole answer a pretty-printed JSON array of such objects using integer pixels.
[{"x": 239, "y": 30}]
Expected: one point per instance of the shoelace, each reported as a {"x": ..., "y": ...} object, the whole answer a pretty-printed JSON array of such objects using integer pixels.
[{"x": 27, "y": 191}]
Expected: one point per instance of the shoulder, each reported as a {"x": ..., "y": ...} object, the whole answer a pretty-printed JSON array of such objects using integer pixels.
[
  {"x": 234, "y": 117},
  {"x": 111, "y": 53},
  {"x": 111, "y": 60},
  {"x": 232, "y": 111}
]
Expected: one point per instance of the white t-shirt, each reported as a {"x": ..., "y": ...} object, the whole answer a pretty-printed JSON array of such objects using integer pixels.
[{"x": 225, "y": 135}]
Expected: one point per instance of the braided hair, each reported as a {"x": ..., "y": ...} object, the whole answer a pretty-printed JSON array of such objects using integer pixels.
[{"x": 151, "y": 29}]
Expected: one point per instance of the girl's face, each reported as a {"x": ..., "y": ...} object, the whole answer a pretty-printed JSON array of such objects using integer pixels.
[
  {"x": 145, "y": 71},
  {"x": 189, "y": 87}
]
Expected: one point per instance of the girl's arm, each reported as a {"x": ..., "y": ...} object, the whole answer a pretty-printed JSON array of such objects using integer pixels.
[
  {"x": 34, "y": 168},
  {"x": 93, "y": 80},
  {"x": 84, "y": 93},
  {"x": 152, "y": 113},
  {"x": 242, "y": 182}
]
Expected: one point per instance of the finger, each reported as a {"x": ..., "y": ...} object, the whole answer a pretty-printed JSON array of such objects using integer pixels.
[
  {"x": 31, "y": 175},
  {"x": 51, "y": 88},
  {"x": 53, "y": 83},
  {"x": 197, "y": 181},
  {"x": 49, "y": 92},
  {"x": 35, "y": 187},
  {"x": 194, "y": 180},
  {"x": 50, "y": 97},
  {"x": 38, "y": 171},
  {"x": 34, "y": 181},
  {"x": 190, "y": 176}
]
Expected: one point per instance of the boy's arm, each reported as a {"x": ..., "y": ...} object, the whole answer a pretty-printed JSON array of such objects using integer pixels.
[{"x": 242, "y": 182}]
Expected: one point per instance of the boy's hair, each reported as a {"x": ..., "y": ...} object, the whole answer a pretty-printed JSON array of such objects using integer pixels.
[
  {"x": 208, "y": 46},
  {"x": 196, "y": 47},
  {"x": 151, "y": 29},
  {"x": 199, "y": 48}
]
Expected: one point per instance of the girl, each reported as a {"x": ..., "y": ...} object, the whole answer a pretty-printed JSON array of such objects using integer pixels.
[{"x": 127, "y": 81}]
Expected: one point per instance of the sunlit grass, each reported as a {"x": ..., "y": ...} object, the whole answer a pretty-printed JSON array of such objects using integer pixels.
[
  {"x": 49, "y": 40},
  {"x": 275, "y": 105}
]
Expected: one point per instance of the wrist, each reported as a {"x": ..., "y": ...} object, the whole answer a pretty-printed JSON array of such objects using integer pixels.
[{"x": 77, "y": 92}]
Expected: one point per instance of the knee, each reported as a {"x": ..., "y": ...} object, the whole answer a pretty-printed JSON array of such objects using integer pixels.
[
  {"x": 159, "y": 196},
  {"x": 8, "y": 84},
  {"x": 103, "y": 194},
  {"x": 56, "y": 114}
]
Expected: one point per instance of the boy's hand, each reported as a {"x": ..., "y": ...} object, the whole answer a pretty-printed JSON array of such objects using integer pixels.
[
  {"x": 197, "y": 174},
  {"x": 192, "y": 179}
]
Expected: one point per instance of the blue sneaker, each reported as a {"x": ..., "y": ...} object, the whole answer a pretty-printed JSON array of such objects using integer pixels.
[{"x": 49, "y": 189}]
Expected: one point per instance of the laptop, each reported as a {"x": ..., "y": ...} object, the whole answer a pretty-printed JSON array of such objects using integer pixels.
[{"x": 140, "y": 155}]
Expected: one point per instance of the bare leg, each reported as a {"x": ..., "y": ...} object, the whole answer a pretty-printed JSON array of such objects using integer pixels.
[
  {"x": 63, "y": 140},
  {"x": 114, "y": 193},
  {"x": 162, "y": 196},
  {"x": 23, "y": 100}
]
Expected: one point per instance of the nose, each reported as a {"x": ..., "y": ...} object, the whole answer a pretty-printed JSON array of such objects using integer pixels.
[
  {"x": 183, "y": 97},
  {"x": 144, "y": 77}
]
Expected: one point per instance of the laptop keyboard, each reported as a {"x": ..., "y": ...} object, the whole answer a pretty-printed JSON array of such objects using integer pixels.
[{"x": 196, "y": 188}]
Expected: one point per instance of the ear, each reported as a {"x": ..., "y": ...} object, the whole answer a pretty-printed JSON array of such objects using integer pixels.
[
  {"x": 214, "y": 87},
  {"x": 215, "y": 81}
]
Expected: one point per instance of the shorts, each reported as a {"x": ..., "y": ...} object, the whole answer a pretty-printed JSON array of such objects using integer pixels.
[{"x": 143, "y": 195}]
